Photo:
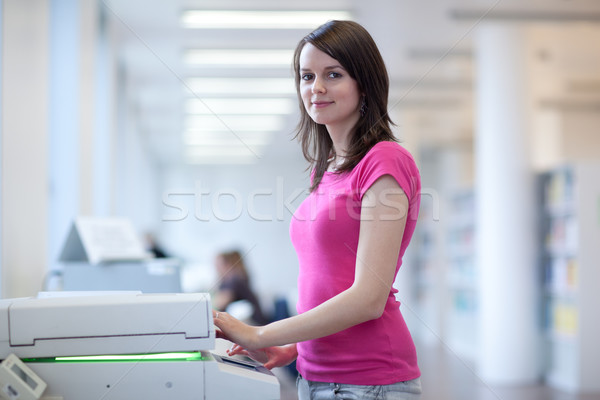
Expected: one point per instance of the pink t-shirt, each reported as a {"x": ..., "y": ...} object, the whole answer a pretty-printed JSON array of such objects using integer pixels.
[{"x": 324, "y": 232}]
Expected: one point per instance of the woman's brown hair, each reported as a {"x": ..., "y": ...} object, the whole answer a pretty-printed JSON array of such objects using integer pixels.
[
  {"x": 235, "y": 263},
  {"x": 354, "y": 48}
]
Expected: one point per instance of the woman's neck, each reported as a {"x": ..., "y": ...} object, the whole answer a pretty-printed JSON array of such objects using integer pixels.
[
  {"x": 340, "y": 132},
  {"x": 340, "y": 139}
]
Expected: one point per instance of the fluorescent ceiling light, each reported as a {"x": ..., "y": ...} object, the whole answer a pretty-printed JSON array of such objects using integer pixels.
[
  {"x": 239, "y": 86},
  {"x": 230, "y": 106},
  {"x": 234, "y": 19},
  {"x": 222, "y": 151},
  {"x": 251, "y": 139},
  {"x": 246, "y": 58},
  {"x": 220, "y": 160},
  {"x": 221, "y": 155},
  {"x": 233, "y": 123}
]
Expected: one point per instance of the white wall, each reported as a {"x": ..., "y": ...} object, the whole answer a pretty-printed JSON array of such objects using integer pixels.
[
  {"x": 135, "y": 171},
  {"x": 581, "y": 134},
  {"x": 208, "y": 209}
]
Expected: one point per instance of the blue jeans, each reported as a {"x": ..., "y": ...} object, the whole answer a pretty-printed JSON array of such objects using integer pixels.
[{"x": 308, "y": 390}]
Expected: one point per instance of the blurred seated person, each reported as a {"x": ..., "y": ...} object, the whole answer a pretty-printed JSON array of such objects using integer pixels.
[
  {"x": 234, "y": 286},
  {"x": 153, "y": 248}
]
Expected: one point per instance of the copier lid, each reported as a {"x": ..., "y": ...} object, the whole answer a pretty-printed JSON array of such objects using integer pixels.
[{"x": 110, "y": 324}]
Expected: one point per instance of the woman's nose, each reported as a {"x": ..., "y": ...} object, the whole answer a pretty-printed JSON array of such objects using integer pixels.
[{"x": 318, "y": 86}]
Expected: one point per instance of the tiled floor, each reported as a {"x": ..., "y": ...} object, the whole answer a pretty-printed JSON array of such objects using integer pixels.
[{"x": 447, "y": 377}]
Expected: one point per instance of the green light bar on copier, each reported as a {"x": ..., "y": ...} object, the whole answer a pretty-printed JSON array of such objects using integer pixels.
[{"x": 155, "y": 357}]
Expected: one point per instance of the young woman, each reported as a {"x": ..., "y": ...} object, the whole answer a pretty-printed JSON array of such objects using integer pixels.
[{"x": 349, "y": 338}]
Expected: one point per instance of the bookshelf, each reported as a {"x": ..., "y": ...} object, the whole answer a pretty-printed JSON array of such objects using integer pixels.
[
  {"x": 570, "y": 274},
  {"x": 428, "y": 276},
  {"x": 461, "y": 275}
]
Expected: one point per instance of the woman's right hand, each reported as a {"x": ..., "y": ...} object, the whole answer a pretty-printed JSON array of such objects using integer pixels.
[{"x": 270, "y": 357}]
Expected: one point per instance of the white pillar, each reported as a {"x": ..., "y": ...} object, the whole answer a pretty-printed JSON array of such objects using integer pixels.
[
  {"x": 104, "y": 69},
  {"x": 506, "y": 234},
  {"x": 88, "y": 86},
  {"x": 24, "y": 146},
  {"x": 1, "y": 153},
  {"x": 77, "y": 145},
  {"x": 64, "y": 169}
]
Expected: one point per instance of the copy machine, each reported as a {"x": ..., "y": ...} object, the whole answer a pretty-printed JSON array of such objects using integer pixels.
[{"x": 120, "y": 345}]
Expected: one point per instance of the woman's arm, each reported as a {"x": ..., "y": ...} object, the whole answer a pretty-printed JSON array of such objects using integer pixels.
[{"x": 383, "y": 218}]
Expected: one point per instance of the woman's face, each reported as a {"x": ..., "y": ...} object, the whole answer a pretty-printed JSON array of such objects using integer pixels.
[
  {"x": 329, "y": 94},
  {"x": 221, "y": 265}
]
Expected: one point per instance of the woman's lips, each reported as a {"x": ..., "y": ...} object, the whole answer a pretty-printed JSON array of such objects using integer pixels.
[{"x": 321, "y": 104}]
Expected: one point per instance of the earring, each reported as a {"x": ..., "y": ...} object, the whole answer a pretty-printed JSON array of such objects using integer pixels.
[{"x": 363, "y": 107}]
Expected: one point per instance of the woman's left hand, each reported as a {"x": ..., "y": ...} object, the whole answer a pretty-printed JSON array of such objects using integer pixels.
[
  {"x": 270, "y": 357},
  {"x": 236, "y": 331}
]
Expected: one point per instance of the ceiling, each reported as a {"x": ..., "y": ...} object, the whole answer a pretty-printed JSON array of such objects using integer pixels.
[{"x": 427, "y": 47}]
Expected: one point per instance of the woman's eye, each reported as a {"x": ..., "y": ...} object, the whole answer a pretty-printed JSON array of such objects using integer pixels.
[
  {"x": 334, "y": 75},
  {"x": 306, "y": 77}
]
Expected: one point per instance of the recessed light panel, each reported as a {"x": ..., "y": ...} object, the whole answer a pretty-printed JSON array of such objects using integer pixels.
[
  {"x": 239, "y": 58},
  {"x": 236, "y": 19}
]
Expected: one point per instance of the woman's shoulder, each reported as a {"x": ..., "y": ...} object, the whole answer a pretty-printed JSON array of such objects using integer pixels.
[
  {"x": 386, "y": 158},
  {"x": 387, "y": 150},
  {"x": 233, "y": 282}
]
